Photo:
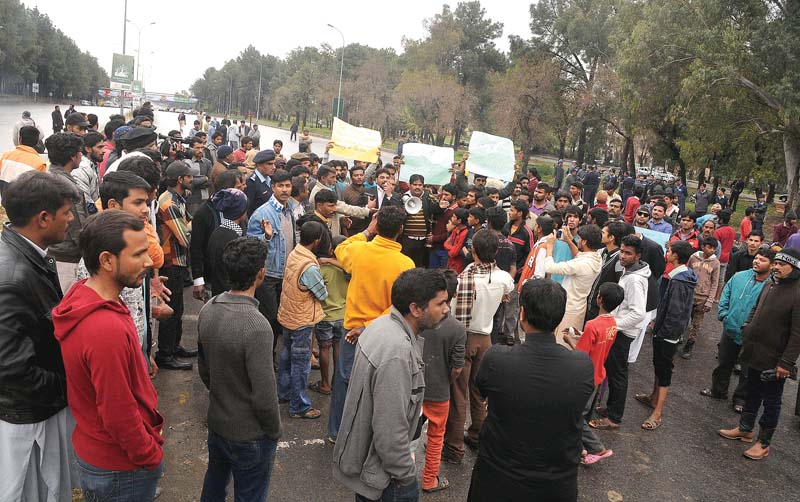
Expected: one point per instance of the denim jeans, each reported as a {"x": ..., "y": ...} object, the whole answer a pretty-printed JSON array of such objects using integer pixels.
[
  {"x": 117, "y": 486},
  {"x": 250, "y": 462},
  {"x": 293, "y": 369},
  {"x": 438, "y": 258},
  {"x": 341, "y": 378},
  {"x": 770, "y": 395},
  {"x": 396, "y": 493}
]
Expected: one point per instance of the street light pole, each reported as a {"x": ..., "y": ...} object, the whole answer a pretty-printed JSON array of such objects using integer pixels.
[
  {"x": 341, "y": 72},
  {"x": 124, "y": 39},
  {"x": 139, "y": 43},
  {"x": 260, "y": 72}
]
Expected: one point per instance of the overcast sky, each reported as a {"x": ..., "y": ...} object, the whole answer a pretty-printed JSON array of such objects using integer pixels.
[{"x": 189, "y": 37}]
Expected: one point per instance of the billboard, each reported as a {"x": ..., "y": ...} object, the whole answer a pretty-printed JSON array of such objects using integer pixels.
[{"x": 122, "y": 72}]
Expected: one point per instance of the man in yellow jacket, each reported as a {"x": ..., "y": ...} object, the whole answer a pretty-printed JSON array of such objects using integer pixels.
[{"x": 374, "y": 265}]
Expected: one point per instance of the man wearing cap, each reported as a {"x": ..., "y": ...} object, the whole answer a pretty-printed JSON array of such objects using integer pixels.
[
  {"x": 642, "y": 217},
  {"x": 771, "y": 344},
  {"x": 232, "y": 205},
  {"x": 133, "y": 138},
  {"x": 259, "y": 184},
  {"x": 76, "y": 123},
  {"x": 65, "y": 153},
  {"x": 224, "y": 156},
  {"x": 175, "y": 231}
]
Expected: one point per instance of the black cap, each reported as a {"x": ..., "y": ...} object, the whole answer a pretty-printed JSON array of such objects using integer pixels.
[
  {"x": 138, "y": 137},
  {"x": 177, "y": 169},
  {"x": 264, "y": 156},
  {"x": 77, "y": 119}
]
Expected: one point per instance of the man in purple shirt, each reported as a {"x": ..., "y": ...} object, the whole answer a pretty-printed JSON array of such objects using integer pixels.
[{"x": 540, "y": 203}]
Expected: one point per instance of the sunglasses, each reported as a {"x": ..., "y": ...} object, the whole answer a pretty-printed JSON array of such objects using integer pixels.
[{"x": 643, "y": 214}]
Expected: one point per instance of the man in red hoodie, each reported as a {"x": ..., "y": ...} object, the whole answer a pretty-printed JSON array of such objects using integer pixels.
[{"x": 117, "y": 438}]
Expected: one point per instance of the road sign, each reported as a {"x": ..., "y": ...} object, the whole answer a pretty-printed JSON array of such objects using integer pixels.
[
  {"x": 338, "y": 105},
  {"x": 122, "y": 70},
  {"x": 35, "y": 87}
]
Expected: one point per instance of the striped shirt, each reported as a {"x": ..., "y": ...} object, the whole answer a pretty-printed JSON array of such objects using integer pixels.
[
  {"x": 415, "y": 225},
  {"x": 174, "y": 229}
]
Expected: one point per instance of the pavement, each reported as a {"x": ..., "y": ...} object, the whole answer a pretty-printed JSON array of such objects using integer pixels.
[{"x": 683, "y": 460}]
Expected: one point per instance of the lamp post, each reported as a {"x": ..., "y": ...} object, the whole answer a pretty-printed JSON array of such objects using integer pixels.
[
  {"x": 139, "y": 43},
  {"x": 341, "y": 72},
  {"x": 124, "y": 39}
]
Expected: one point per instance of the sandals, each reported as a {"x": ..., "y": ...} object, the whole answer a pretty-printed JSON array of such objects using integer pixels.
[
  {"x": 317, "y": 387},
  {"x": 651, "y": 424},
  {"x": 593, "y": 458},
  {"x": 311, "y": 414},
  {"x": 603, "y": 424},
  {"x": 645, "y": 400},
  {"x": 441, "y": 484}
]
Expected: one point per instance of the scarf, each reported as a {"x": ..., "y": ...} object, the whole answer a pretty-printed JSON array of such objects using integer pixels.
[
  {"x": 465, "y": 293},
  {"x": 231, "y": 225}
]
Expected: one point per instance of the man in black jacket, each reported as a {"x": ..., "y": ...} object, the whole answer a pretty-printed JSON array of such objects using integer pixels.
[
  {"x": 743, "y": 259},
  {"x": 58, "y": 120},
  {"x": 530, "y": 444},
  {"x": 771, "y": 345},
  {"x": 33, "y": 401}
]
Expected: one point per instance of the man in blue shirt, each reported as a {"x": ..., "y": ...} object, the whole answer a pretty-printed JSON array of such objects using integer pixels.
[{"x": 657, "y": 221}]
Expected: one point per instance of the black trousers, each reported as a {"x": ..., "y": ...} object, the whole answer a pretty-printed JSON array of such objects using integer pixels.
[
  {"x": 269, "y": 297},
  {"x": 769, "y": 394},
  {"x": 492, "y": 485},
  {"x": 721, "y": 377},
  {"x": 416, "y": 250},
  {"x": 734, "y": 200},
  {"x": 617, "y": 374},
  {"x": 170, "y": 330}
]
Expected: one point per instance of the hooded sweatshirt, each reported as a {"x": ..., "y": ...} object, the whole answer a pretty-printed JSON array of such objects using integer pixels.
[
  {"x": 108, "y": 387},
  {"x": 631, "y": 312},
  {"x": 675, "y": 309}
]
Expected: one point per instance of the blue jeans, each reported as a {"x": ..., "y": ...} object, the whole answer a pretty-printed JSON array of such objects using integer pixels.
[
  {"x": 118, "y": 486},
  {"x": 341, "y": 379},
  {"x": 293, "y": 369},
  {"x": 250, "y": 462},
  {"x": 438, "y": 258},
  {"x": 396, "y": 493},
  {"x": 330, "y": 332}
]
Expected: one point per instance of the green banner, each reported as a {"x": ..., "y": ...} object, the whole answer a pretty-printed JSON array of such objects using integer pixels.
[
  {"x": 122, "y": 69},
  {"x": 137, "y": 86}
]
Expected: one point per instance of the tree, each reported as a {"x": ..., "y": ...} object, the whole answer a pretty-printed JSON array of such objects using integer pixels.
[{"x": 523, "y": 97}]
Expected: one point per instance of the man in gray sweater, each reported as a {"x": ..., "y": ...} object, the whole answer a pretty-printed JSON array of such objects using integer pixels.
[
  {"x": 372, "y": 456},
  {"x": 235, "y": 363}
]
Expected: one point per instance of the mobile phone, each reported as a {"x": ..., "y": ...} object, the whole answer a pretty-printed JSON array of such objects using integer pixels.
[{"x": 559, "y": 233}]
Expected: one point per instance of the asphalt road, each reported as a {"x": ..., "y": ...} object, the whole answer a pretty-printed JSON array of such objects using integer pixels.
[
  {"x": 11, "y": 112},
  {"x": 683, "y": 460}
]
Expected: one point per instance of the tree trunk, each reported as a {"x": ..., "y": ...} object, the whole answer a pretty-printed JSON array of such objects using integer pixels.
[
  {"x": 580, "y": 154},
  {"x": 626, "y": 151},
  {"x": 791, "y": 153},
  {"x": 562, "y": 146},
  {"x": 632, "y": 157},
  {"x": 457, "y": 137}
]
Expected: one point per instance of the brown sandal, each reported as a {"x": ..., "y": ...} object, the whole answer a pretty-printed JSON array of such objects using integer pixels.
[
  {"x": 603, "y": 424},
  {"x": 308, "y": 415},
  {"x": 317, "y": 387}
]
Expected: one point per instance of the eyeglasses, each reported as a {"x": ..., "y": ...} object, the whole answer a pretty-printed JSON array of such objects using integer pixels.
[{"x": 643, "y": 214}]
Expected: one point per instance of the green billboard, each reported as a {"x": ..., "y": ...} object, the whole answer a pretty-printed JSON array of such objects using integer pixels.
[{"x": 122, "y": 71}]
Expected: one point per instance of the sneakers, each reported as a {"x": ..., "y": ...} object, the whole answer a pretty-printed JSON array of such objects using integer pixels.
[{"x": 736, "y": 434}]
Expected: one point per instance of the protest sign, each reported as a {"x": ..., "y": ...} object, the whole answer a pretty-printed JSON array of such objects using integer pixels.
[
  {"x": 660, "y": 237},
  {"x": 432, "y": 162},
  {"x": 356, "y": 143},
  {"x": 491, "y": 156}
]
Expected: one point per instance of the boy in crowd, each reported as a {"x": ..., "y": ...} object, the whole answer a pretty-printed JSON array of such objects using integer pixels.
[
  {"x": 298, "y": 312},
  {"x": 443, "y": 355},
  {"x": 673, "y": 315},
  {"x": 706, "y": 265},
  {"x": 596, "y": 340},
  {"x": 330, "y": 330},
  {"x": 481, "y": 288}
]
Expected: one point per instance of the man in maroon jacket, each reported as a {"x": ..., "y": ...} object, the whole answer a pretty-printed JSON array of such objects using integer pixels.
[{"x": 117, "y": 437}]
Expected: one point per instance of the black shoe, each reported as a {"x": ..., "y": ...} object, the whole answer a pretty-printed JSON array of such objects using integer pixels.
[
  {"x": 170, "y": 363},
  {"x": 710, "y": 393},
  {"x": 182, "y": 352}
]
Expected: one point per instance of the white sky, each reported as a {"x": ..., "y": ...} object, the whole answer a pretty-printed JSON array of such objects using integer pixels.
[{"x": 189, "y": 37}]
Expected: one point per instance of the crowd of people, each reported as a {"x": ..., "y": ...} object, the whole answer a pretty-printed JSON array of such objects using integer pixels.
[{"x": 500, "y": 317}]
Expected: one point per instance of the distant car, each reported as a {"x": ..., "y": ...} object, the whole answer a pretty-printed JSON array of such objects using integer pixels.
[{"x": 86, "y": 103}]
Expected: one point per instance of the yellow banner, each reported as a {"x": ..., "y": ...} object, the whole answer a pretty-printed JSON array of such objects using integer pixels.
[{"x": 357, "y": 143}]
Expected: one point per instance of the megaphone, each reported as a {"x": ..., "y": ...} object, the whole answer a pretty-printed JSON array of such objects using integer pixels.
[{"x": 413, "y": 204}]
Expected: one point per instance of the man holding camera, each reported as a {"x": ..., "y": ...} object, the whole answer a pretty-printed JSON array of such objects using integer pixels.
[{"x": 771, "y": 344}]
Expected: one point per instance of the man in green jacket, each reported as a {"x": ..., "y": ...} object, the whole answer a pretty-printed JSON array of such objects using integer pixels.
[{"x": 737, "y": 301}]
